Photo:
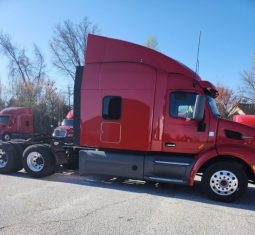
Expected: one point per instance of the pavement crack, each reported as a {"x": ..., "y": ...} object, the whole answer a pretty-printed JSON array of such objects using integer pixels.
[
  {"x": 7, "y": 226},
  {"x": 91, "y": 212}
]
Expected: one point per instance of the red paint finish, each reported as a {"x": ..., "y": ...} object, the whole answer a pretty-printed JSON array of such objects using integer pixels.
[
  {"x": 140, "y": 76},
  {"x": 245, "y": 119},
  {"x": 132, "y": 130},
  {"x": 183, "y": 132},
  {"x": 227, "y": 146},
  {"x": 110, "y": 132},
  {"x": 70, "y": 114},
  {"x": 16, "y": 120},
  {"x": 202, "y": 158},
  {"x": 66, "y": 127},
  {"x": 145, "y": 80},
  {"x": 108, "y": 50},
  {"x": 247, "y": 134}
]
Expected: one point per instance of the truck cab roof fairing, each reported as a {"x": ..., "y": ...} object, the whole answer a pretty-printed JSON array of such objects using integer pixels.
[
  {"x": 106, "y": 50},
  {"x": 16, "y": 110}
]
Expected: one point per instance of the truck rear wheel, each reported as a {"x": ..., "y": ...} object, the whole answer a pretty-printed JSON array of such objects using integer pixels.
[
  {"x": 10, "y": 160},
  {"x": 38, "y": 161},
  {"x": 224, "y": 181}
]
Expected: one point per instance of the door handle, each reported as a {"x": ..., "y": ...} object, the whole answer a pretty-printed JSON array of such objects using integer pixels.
[{"x": 170, "y": 144}]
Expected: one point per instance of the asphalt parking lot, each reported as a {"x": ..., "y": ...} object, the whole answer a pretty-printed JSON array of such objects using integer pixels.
[{"x": 66, "y": 203}]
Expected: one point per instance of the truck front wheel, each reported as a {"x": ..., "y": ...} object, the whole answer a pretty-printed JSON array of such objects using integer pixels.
[
  {"x": 225, "y": 181},
  {"x": 6, "y": 137},
  {"x": 38, "y": 161}
]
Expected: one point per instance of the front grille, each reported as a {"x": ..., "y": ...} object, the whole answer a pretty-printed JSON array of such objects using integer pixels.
[{"x": 59, "y": 133}]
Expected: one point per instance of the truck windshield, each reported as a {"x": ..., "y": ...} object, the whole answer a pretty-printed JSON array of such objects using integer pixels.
[
  {"x": 213, "y": 106},
  {"x": 67, "y": 122},
  {"x": 4, "y": 119}
]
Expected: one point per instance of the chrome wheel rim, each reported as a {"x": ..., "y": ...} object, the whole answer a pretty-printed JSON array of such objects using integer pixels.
[
  {"x": 7, "y": 137},
  {"x": 3, "y": 159},
  {"x": 224, "y": 183},
  {"x": 35, "y": 161}
]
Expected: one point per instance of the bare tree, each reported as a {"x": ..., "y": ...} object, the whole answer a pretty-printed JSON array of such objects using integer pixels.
[
  {"x": 151, "y": 42},
  {"x": 21, "y": 67},
  {"x": 227, "y": 101},
  {"x": 30, "y": 87},
  {"x": 69, "y": 43},
  {"x": 26, "y": 74},
  {"x": 52, "y": 102},
  {"x": 49, "y": 106},
  {"x": 2, "y": 101},
  {"x": 26, "y": 94},
  {"x": 248, "y": 83}
]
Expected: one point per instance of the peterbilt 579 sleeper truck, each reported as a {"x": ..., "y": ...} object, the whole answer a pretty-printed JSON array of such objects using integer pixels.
[{"x": 140, "y": 114}]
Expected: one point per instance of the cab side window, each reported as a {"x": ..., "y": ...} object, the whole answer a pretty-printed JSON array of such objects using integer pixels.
[
  {"x": 112, "y": 106},
  {"x": 182, "y": 104}
]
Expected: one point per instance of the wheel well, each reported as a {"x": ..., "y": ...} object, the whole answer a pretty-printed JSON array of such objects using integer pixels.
[
  {"x": 48, "y": 147},
  {"x": 246, "y": 167}
]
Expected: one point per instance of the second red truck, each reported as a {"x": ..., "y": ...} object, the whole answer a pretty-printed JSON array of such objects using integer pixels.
[{"x": 16, "y": 122}]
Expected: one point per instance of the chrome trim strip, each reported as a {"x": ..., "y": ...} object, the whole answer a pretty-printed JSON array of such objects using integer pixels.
[
  {"x": 173, "y": 163},
  {"x": 170, "y": 145},
  {"x": 166, "y": 180},
  {"x": 247, "y": 137}
]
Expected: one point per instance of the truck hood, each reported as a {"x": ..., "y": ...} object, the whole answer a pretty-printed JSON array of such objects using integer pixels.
[
  {"x": 230, "y": 132},
  {"x": 63, "y": 131},
  {"x": 64, "y": 128}
]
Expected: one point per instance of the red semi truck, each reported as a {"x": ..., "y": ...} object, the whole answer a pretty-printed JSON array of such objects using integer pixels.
[
  {"x": 16, "y": 122},
  {"x": 65, "y": 130},
  {"x": 140, "y": 114}
]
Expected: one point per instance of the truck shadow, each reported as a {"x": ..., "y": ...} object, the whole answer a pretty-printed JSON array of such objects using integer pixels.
[{"x": 146, "y": 187}]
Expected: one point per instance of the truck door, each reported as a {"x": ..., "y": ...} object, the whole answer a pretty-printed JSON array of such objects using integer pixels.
[{"x": 181, "y": 133}]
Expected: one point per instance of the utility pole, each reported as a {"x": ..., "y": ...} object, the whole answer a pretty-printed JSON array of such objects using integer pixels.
[
  {"x": 69, "y": 97},
  {"x": 198, "y": 48}
]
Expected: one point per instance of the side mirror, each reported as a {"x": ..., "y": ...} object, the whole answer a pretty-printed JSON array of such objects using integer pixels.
[{"x": 199, "y": 108}]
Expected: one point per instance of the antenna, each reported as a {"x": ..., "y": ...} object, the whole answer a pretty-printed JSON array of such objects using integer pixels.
[{"x": 198, "y": 47}]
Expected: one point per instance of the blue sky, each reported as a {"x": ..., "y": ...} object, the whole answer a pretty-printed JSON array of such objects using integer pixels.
[{"x": 228, "y": 30}]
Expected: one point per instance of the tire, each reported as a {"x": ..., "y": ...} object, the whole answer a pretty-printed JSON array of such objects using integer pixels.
[
  {"x": 38, "y": 161},
  {"x": 225, "y": 181},
  {"x": 10, "y": 161},
  {"x": 6, "y": 137},
  {"x": 19, "y": 151}
]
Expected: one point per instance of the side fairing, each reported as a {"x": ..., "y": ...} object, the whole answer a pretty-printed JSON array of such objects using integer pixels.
[{"x": 134, "y": 85}]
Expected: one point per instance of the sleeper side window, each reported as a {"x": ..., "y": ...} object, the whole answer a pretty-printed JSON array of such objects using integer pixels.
[
  {"x": 112, "y": 106},
  {"x": 182, "y": 104}
]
